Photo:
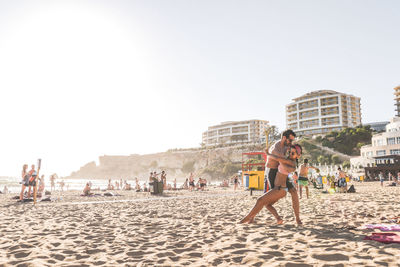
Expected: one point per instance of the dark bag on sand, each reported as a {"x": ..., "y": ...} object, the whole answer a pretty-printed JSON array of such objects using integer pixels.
[{"x": 351, "y": 189}]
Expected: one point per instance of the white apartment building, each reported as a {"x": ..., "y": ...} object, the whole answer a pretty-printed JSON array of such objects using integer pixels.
[
  {"x": 386, "y": 143},
  {"x": 231, "y": 132},
  {"x": 322, "y": 111}
]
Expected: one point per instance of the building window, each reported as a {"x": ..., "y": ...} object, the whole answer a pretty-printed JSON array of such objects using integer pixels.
[
  {"x": 398, "y": 140},
  {"x": 391, "y": 141},
  {"x": 394, "y": 151},
  {"x": 381, "y": 152},
  {"x": 379, "y": 142}
]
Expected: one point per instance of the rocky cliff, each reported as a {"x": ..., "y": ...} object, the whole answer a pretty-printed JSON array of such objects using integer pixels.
[{"x": 210, "y": 163}]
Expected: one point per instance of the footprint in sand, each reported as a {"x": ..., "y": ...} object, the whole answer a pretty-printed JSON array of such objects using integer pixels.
[
  {"x": 331, "y": 257},
  {"x": 21, "y": 254}
]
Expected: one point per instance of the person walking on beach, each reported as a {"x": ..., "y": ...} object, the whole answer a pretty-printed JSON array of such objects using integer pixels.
[
  {"x": 164, "y": 179},
  {"x": 235, "y": 182},
  {"x": 191, "y": 182},
  {"x": 286, "y": 166},
  {"x": 25, "y": 180},
  {"x": 32, "y": 180},
  {"x": 303, "y": 177},
  {"x": 381, "y": 178},
  {"x": 52, "y": 182}
]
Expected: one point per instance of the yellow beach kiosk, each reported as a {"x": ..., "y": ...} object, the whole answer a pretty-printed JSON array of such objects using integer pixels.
[{"x": 253, "y": 167}]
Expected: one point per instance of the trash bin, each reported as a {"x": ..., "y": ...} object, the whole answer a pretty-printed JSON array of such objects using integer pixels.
[
  {"x": 160, "y": 187},
  {"x": 154, "y": 187}
]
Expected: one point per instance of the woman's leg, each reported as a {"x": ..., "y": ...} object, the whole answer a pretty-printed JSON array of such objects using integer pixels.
[
  {"x": 270, "y": 197},
  {"x": 307, "y": 192},
  {"x": 296, "y": 205},
  {"x": 301, "y": 190},
  {"x": 274, "y": 212},
  {"x": 21, "y": 196},
  {"x": 29, "y": 191}
]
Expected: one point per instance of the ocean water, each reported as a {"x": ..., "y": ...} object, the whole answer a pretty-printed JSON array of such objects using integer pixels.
[{"x": 14, "y": 186}]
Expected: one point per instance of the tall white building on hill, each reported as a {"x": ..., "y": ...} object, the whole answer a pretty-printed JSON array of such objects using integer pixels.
[{"x": 320, "y": 112}]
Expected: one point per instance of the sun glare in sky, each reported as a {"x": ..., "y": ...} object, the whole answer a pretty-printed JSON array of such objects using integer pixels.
[{"x": 81, "y": 79}]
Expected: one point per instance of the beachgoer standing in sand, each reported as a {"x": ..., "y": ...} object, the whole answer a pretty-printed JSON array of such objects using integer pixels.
[
  {"x": 32, "y": 180},
  {"x": 303, "y": 177},
  {"x": 381, "y": 178},
  {"x": 191, "y": 182},
  {"x": 235, "y": 182},
  {"x": 164, "y": 179},
  {"x": 25, "y": 180}
]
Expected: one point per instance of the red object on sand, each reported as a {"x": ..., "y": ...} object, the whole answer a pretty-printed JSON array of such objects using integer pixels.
[{"x": 384, "y": 237}]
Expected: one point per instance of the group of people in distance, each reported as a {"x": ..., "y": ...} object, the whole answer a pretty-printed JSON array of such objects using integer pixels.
[
  {"x": 29, "y": 180},
  {"x": 282, "y": 158},
  {"x": 191, "y": 184}
]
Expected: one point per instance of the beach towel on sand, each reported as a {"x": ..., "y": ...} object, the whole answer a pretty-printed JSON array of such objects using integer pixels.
[
  {"x": 384, "y": 227},
  {"x": 384, "y": 237}
]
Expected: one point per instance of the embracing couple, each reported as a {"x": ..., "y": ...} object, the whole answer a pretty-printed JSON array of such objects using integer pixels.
[{"x": 282, "y": 160}]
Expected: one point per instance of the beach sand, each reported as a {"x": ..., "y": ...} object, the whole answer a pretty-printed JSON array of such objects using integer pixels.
[{"x": 197, "y": 229}]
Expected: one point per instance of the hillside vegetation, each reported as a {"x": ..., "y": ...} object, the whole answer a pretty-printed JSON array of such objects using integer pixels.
[{"x": 347, "y": 141}]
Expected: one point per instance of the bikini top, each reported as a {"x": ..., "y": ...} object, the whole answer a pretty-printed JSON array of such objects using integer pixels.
[{"x": 285, "y": 169}]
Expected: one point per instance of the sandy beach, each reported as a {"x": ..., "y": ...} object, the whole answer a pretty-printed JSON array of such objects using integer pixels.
[{"x": 197, "y": 229}]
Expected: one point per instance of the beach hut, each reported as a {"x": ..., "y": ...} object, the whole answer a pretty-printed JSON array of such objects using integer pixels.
[{"x": 253, "y": 167}]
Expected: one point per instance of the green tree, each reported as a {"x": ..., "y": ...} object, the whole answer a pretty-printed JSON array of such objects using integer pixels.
[
  {"x": 230, "y": 169},
  {"x": 346, "y": 164},
  {"x": 335, "y": 159}
]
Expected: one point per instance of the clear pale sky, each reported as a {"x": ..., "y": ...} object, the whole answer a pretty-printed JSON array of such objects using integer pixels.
[{"x": 80, "y": 79}]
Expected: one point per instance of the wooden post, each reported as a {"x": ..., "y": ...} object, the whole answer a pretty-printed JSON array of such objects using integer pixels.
[{"x": 36, "y": 184}]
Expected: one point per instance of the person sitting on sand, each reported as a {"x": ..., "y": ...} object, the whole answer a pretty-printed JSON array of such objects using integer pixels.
[
  {"x": 127, "y": 186},
  {"x": 185, "y": 184},
  {"x": 86, "y": 190},
  {"x": 110, "y": 186},
  {"x": 286, "y": 166},
  {"x": 342, "y": 181}
]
